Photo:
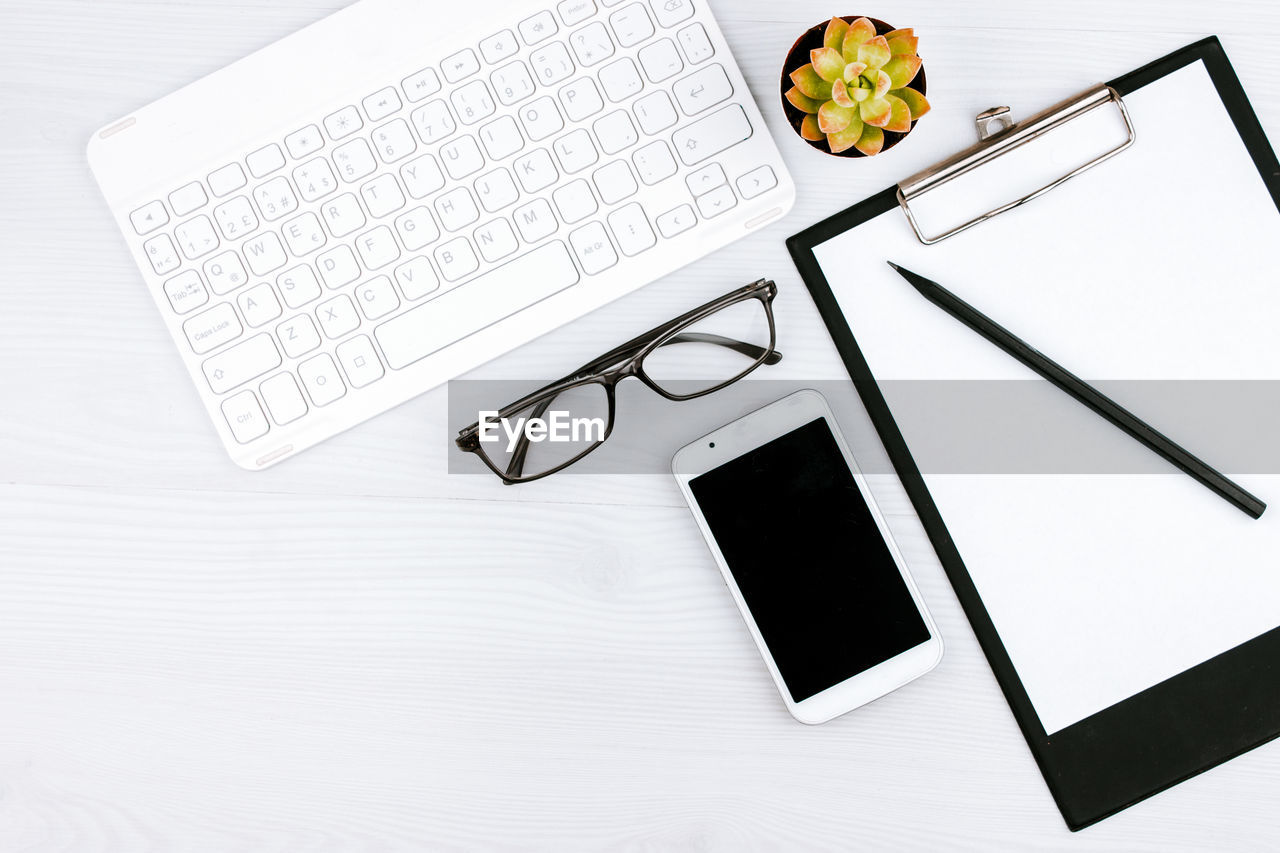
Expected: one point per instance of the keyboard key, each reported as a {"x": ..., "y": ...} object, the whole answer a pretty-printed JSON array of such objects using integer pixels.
[
  {"x": 377, "y": 247},
  {"x": 259, "y": 305},
  {"x": 245, "y": 417},
  {"x": 671, "y": 12},
  {"x": 149, "y": 217},
  {"x": 187, "y": 199},
  {"x": 381, "y": 104},
  {"x": 433, "y": 122},
  {"x": 615, "y": 132},
  {"x": 535, "y": 170},
  {"x": 265, "y": 160},
  {"x": 574, "y": 201},
  {"x": 551, "y": 63},
  {"x": 697, "y": 47},
  {"x": 315, "y": 179},
  {"x": 242, "y": 362},
  {"x": 593, "y": 249},
  {"x": 307, "y": 140},
  {"x": 708, "y": 136},
  {"x": 196, "y": 237},
  {"x": 460, "y": 312},
  {"x": 343, "y": 123},
  {"x": 757, "y": 182},
  {"x": 676, "y": 221},
  {"x": 354, "y": 160},
  {"x": 161, "y": 253},
  {"x": 360, "y": 361},
  {"x": 537, "y": 28},
  {"x": 298, "y": 286},
  {"x": 338, "y": 266},
  {"x": 501, "y": 138},
  {"x": 320, "y": 377},
  {"x": 343, "y": 215},
  {"x": 575, "y": 11},
  {"x": 540, "y": 119},
  {"x": 499, "y": 46},
  {"x": 460, "y": 65},
  {"x": 461, "y": 157},
  {"x": 703, "y": 89},
  {"x": 496, "y": 190},
  {"x": 382, "y": 196},
  {"x": 620, "y": 80},
  {"x": 591, "y": 44},
  {"x": 416, "y": 278},
  {"x": 512, "y": 83},
  {"x": 417, "y": 229},
  {"x": 422, "y": 176},
  {"x": 614, "y": 182},
  {"x": 535, "y": 220},
  {"x": 377, "y": 298},
  {"x": 298, "y": 336},
  {"x": 705, "y": 179},
  {"x": 654, "y": 162},
  {"x": 226, "y": 180},
  {"x": 304, "y": 234},
  {"x": 472, "y": 102},
  {"x": 394, "y": 141},
  {"x": 456, "y": 259},
  {"x": 225, "y": 272},
  {"x": 495, "y": 240},
  {"x": 337, "y": 316},
  {"x": 236, "y": 218},
  {"x": 420, "y": 86},
  {"x": 631, "y": 229},
  {"x": 264, "y": 253},
  {"x": 660, "y": 60},
  {"x": 575, "y": 151},
  {"x": 581, "y": 99},
  {"x": 655, "y": 112},
  {"x": 275, "y": 199},
  {"x": 456, "y": 209},
  {"x": 284, "y": 401},
  {"x": 213, "y": 328},
  {"x": 186, "y": 292},
  {"x": 716, "y": 202},
  {"x": 631, "y": 25}
]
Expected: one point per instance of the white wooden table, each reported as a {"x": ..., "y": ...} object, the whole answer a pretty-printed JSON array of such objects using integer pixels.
[{"x": 356, "y": 650}]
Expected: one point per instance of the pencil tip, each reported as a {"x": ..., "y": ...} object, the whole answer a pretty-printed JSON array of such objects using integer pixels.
[{"x": 895, "y": 266}]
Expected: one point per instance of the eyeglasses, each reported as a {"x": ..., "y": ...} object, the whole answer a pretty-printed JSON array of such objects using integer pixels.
[{"x": 719, "y": 343}]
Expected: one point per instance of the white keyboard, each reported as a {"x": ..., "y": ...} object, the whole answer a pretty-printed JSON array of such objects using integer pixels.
[{"x": 360, "y": 212}]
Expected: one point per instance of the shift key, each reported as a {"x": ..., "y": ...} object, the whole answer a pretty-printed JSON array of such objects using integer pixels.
[
  {"x": 241, "y": 363},
  {"x": 708, "y": 136}
]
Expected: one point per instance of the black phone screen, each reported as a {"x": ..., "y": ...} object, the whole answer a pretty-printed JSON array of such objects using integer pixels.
[{"x": 809, "y": 559}]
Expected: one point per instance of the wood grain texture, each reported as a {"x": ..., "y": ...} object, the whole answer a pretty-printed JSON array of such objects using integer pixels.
[{"x": 359, "y": 651}]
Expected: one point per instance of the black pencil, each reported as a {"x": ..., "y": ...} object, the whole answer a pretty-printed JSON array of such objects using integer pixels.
[{"x": 1082, "y": 391}]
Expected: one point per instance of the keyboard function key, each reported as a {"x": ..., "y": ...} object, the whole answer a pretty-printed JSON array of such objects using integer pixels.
[
  {"x": 211, "y": 329},
  {"x": 591, "y": 44},
  {"x": 343, "y": 123},
  {"x": 240, "y": 363},
  {"x": 708, "y": 136},
  {"x": 716, "y": 202},
  {"x": 697, "y": 47},
  {"x": 631, "y": 25},
  {"x": 320, "y": 377},
  {"x": 420, "y": 86},
  {"x": 188, "y": 199},
  {"x": 196, "y": 237},
  {"x": 149, "y": 217},
  {"x": 307, "y": 140},
  {"x": 705, "y": 179},
  {"x": 631, "y": 229},
  {"x": 756, "y": 182},
  {"x": 186, "y": 292},
  {"x": 381, "y": 104},
  {"x": 360, "y": 361},
  {"x": 460, "y": 65},
  {"x": 284, "y": 401},
  {"x": 245, "y": 417},
  {"x": 265, "y": 160},
  {"x": 499, "y": 46},
  {"x": 538, "y": 28},
  {"x": 226, "y": 180},
  {"x": 671, "y": 12},
  {"x": 225, "y": 272},
  {"x": 676, "y": 221},
  {"x": 594, "y": 251},
  {"x": 575, "y": 11}
]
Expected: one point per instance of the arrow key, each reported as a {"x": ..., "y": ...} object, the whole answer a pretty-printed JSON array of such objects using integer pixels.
[
  {"x": 757, "y": 182},
  {"x": 716, "y": 202}
]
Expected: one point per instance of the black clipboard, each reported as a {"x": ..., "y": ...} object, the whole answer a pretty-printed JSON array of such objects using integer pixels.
[{"x": 1167, "y": 733}]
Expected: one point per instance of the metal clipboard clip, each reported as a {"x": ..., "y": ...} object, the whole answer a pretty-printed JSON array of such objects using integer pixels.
[{"x": 998, "y": 134}]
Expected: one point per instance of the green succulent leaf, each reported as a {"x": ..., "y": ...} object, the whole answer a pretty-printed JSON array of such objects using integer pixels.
[
  {"x": 902, "y": 70},
  {"x": 860, "y": 31},
  {"x": 843, "y": 140},
  {"x": 809, "y": 128},
  {"x": 883, "y": 84},
  {"x": 840, "y": 95},
  {"x": 903, "y": 31},
  {"x": 853, "y": 71},
  {"x": 874, "y": 111},
  {"x": 874, "y": 53},
  {"x": 871, "y": 140},
  {"x": 914, "y": 100},
  {"x": 833, "y": 36},
  {"x": 833, "y": 118},
  {"x": 899, "y": 115},
  {"x": 810, "y": 84},
  {"x": 828, "y": 63},
  {"x": 902, "y": 45},
  {"x": 801, "y": 101}
]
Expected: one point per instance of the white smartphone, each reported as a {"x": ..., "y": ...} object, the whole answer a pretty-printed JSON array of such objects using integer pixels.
[{"x": 808, "y": 557}]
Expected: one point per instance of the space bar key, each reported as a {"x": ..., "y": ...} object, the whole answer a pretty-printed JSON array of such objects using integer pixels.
[{"x": 477, "y": 303}]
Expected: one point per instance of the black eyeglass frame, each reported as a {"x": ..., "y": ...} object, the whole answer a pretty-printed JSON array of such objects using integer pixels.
[{"x": 628, "y": 360}]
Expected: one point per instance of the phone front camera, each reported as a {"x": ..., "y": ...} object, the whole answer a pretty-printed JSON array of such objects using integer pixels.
[{"x": 713, "y": 444}]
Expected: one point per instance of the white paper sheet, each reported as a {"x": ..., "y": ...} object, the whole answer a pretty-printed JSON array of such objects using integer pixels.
[{"x": 1158, "y": 264}]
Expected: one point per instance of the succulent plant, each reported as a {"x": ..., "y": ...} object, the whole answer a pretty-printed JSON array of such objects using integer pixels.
[{"x": 855, "y": 86}]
